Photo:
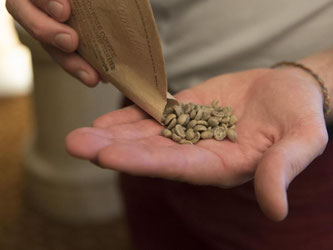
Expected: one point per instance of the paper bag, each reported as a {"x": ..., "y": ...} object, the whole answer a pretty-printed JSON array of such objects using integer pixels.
[{"x": 119, "y": 38}]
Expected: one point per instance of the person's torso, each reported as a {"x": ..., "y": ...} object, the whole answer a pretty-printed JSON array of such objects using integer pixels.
[{"x": 204, "y": 38}]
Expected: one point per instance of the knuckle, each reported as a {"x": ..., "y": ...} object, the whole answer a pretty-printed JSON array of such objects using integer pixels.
[
  {"x": 67, "y": 64},
  {"x": 38, "y": 31}
]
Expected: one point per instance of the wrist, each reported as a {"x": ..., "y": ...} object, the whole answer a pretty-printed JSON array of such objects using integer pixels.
[
  {"x": 322, "y": 64},
  {"x": 301, "y": 70}
]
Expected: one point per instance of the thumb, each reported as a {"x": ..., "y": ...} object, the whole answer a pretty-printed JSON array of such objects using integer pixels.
[{"x": 279, "y": 166}]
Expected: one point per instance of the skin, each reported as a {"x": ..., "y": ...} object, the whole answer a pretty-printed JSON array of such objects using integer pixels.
[{"x": 281, "y": 126}]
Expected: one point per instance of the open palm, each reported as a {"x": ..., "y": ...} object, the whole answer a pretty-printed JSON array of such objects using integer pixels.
[{"x": 281, "y": 129}]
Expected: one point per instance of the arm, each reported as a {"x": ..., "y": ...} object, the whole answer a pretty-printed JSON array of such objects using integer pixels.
[{"x": 322, "y": 64}]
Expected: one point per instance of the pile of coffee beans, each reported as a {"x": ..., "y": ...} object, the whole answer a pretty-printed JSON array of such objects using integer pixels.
[{"x": 188, "y": 123}]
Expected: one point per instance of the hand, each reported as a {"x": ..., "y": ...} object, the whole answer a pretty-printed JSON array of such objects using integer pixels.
[
  {"x": 281, "y": 129},
  {"x": 44, "y": 20}
]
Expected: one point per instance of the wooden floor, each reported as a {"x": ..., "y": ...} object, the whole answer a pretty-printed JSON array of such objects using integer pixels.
[{"x": 21, "y": 226}]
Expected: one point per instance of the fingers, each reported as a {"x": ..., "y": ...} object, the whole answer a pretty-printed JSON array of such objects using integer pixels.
[
  {"x": 137, "y": 148},
  {"x": 58, "y": 39},
  {"x": 87, "y": 142},
  {"x": 141, "y": 151},
  {"x": 129, "y": 114},
  {"x": 60, "y": 10},
  {"x": 279, "y": 166},
  {"x": 74, "y": 65},
  {"x": 159, "y": 157},
  {"x": 43, "y": 27}
]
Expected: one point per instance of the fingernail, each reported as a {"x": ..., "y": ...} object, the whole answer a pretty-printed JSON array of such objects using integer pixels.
[
  {"x": 83, "y": 76},
  {"x": 55, "y": 9},
  {"x": 64, "y": 41}
]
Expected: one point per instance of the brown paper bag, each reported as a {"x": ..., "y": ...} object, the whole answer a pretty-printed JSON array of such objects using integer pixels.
[{"x": 119, "y": 39}]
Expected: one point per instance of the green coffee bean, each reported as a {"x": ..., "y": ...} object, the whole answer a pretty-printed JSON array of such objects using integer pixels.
[
  {"x": 199, "y": 128},
  {"x": 183, "y": 141},
  {"x": 233, "y": 120},
  {"x": 178, "y": 110},
  {"x": 169, "y": 118},
  {"x": 199, "y": 114},
  {"x": 175, "y": 137},
  {"x": 180, "y": 131},
  {"x": 215, "y": 103},
  {"x": 205, "y": 115},
  {"x": 213, "y": 122},
  {"x": 190, "y": 134},
  {"x": 196, "y": 138},
  {"x": 226, "y": 119},
  {"x": 224, "y": 126},
  {"x": 188, "y": 108},
  {"x": 202, "y": 122},
  {"x": 206, "y": 135},
  {"x": 191, "y": 124},
  {"x": 217, "y": 113},
  {"x": 166, "y": 133},
  {"x": 183, "y": 119},
  {"x": 227, "y": 111},
  {"x": 232, "y": 135},
  {"x": 193, "y": 114},
  {"x": 219, "y": 134},
  {"x": 168, "y": 110},
  {"x": 172, "y": 123},
  {"x": 219, "y": 109}
]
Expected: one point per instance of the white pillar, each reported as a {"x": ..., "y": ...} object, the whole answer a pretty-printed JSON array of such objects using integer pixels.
[
  {"x": 61, "y": 186},
  {"x": 15, "y": 59}
]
